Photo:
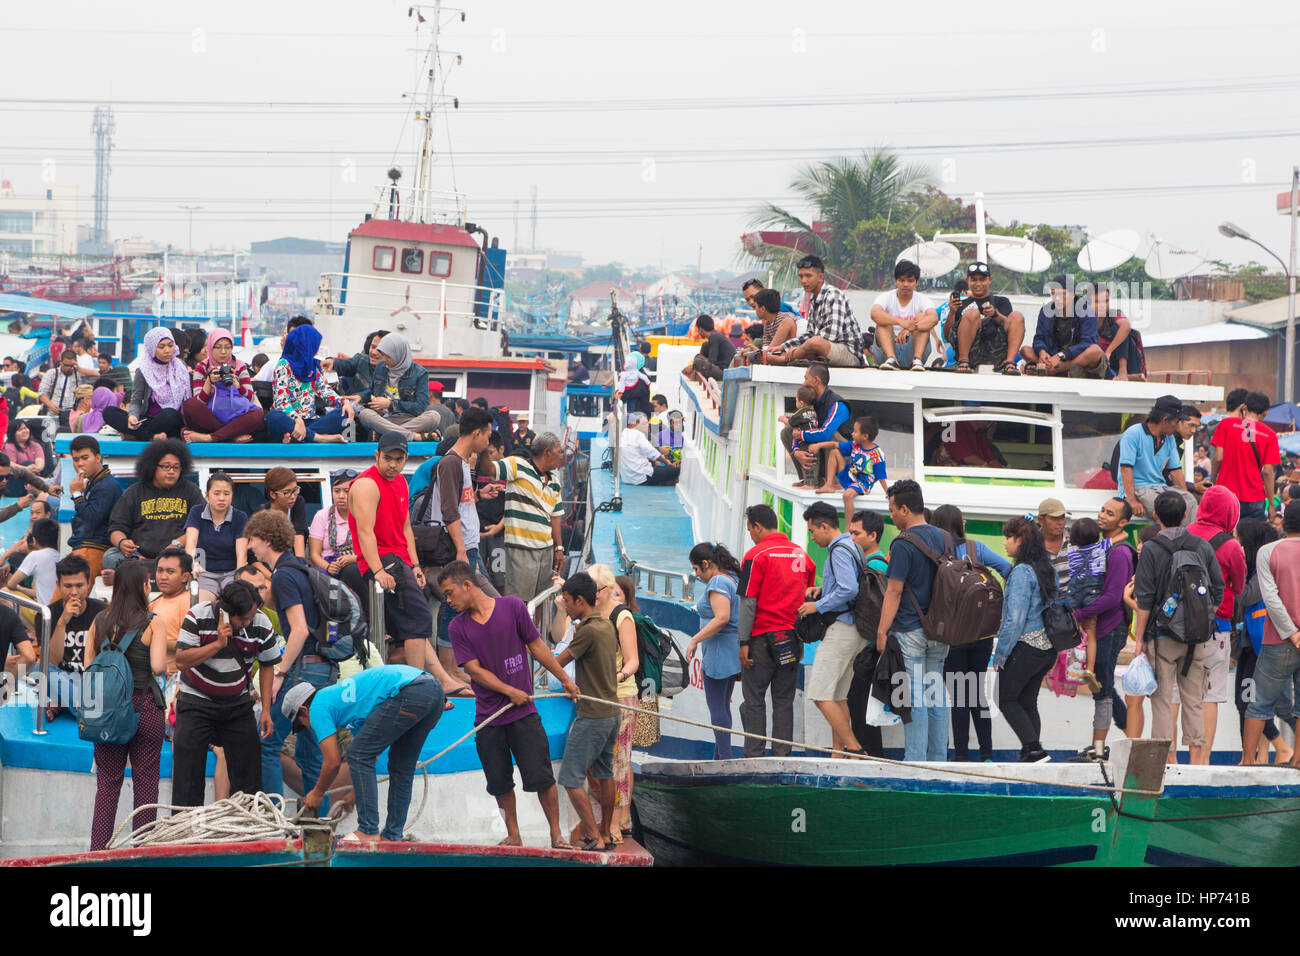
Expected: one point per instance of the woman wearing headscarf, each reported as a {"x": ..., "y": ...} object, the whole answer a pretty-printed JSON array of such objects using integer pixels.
[
  {"x": 218, "y": 411},
  {"x": 100, "y": 399},
  {"x": 161, "y": 385},
  {"x": 298, "y": 385},
  {"x": 634, "y": 386},
  {"x": 398, "y": 397}
]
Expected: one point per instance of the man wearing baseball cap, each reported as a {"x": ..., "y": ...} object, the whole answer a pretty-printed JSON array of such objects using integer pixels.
[
  {"x": 391, "y": 708},
  {"x": 1148, "y": 460},
  {"x": 987, "y": 330},
  {"x": 1052, "y": 519}
]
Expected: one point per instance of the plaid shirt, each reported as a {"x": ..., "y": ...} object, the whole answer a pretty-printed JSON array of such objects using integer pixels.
[{"x": 831, "y": 317}]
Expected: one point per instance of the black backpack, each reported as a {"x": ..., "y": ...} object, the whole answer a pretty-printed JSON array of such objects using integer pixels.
[
  {"x": 872, "y": 583},
  {"x": 1186, "y": 609}
]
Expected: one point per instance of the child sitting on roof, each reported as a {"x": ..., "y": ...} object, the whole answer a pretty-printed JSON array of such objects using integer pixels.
[{"x": 858, "y": 465}]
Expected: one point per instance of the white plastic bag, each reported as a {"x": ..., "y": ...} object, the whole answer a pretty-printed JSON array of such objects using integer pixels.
[
  {"x": 1139, "y": 680},
  {"x": 879, "y": 714}
]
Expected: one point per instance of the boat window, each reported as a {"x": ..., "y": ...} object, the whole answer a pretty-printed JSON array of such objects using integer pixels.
[
  {"x": 440, "y": 264},
  {"x": 413, "y": 261},
  {"x": 385, "y": 257},
  {"x": 250, "y": 493},
  {"x": 895, "y": 420},
  {"x": 1088, "y": 441},
  {"x": 995, "y": 436}
]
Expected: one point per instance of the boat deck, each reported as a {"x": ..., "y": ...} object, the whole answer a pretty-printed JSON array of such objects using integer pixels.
[{"x": 653, "y": 521}]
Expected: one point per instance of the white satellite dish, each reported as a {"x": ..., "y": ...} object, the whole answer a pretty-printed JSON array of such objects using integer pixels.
[
  {"x": 934, "y": 258},
  {"x": 1109, "y": 250},
  {"x": 1166, "y": 261},
  {"x": 1022, "y": 257}
]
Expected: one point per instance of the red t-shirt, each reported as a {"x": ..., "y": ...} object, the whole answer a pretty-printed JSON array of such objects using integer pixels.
[
  {"x": 1247, "y": 446},
  {"x": 390, "y": 518},
  {"x": 777, "y": 572}
]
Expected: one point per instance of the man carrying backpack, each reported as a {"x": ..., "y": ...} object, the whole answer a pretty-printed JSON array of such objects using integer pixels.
[
  {"x": 832, "y": 670},
  {"x": 1112, "y": 626},
  {"x": 866, "y": 529},
  {"x": 1177, "y": 586}
]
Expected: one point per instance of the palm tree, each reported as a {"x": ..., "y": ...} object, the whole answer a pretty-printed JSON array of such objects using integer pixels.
[{"x": 843, "y": 192}]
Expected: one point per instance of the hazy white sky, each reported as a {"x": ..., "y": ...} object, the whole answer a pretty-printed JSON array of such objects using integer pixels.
[{"x": 652, "y": 130}]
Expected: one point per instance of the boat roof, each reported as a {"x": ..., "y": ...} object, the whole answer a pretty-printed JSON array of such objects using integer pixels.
[
  {"x": 121, "y": 447},
  {"x": 414, "y": 232},
  {"x": 1035, "y": 389}
]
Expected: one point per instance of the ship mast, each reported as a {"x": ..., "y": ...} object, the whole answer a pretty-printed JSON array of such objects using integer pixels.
[{"x": 420, "y": 203}]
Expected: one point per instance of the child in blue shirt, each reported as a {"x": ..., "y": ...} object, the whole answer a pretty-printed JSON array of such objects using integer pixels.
[{"x": 858, "y": 464}]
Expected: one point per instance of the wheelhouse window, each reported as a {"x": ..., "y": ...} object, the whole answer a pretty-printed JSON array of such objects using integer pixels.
[
  {"x": 413, "y": 261},
  {"x": 895, "y": 423},
  {"x": 1014, "y": 439},
  {"x": 439, "y": 264},
  {"x": 384, "y": 259}
]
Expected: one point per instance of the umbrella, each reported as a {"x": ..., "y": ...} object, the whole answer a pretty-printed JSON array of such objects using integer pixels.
[{"x": 1283, "y": 415}]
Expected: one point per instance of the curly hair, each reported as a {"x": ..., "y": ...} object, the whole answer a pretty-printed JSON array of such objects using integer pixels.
[
  {"x": 273, "y": 527},
  {"x": 147, "y": 464}
]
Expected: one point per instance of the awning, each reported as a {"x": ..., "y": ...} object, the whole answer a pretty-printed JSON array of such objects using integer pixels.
[{"x": 26, "y": 303}]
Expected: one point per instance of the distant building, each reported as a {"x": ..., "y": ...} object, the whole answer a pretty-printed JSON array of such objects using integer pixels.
[
  {"x": 300, "y": 261},
  {"x": 40, "y": 224},
  {"x": 543, "y": 261}
]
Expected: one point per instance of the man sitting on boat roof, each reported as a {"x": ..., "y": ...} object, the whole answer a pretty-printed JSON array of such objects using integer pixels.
[
  {"x": 834, "y": 336},
  {"x": 985, "y": 328},
  {"x": 1065, "y": 340}
]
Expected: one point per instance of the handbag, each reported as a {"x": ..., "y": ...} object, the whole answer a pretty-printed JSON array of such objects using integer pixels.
[
  {"x": 228, "y": 403},
  {"x": 1061, "y": 627},
  {"x": 646, "y": 733},
  {"x": 811, "y": 628},
  {"x": 433, "y": 544}
]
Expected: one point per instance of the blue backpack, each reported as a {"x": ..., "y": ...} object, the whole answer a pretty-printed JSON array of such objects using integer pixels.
[{"x": 114, "y": 720}]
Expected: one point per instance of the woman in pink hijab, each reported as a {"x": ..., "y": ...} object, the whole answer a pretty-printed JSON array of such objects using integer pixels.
[{"x": 223, "y": 407}]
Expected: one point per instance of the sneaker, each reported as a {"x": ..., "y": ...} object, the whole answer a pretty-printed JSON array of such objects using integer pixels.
[
  {"x": 1091, "y": 682},
  {"x": 918, "y": 365},
  {"x": 890, "y": 365},
  {"x": 1035, "y": 756}
]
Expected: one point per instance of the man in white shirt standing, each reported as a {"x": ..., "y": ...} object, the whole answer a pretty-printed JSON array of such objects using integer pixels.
[
  {"x": 639, "y": 462},
  {"x": 906, "y": 324}
]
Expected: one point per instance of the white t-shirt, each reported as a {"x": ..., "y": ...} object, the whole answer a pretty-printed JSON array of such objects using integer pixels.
[
  {"x": 635, "y": 454},
  {"x": 40, "y": 565},
  {"x": 88, "y": 363},
  {"x": 915, "y": 306}
]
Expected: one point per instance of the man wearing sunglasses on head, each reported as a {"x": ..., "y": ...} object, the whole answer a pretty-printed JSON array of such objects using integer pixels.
[{"x": 987, "y": 330}]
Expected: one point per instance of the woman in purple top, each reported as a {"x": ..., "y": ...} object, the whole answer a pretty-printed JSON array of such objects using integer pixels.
[{"x": 492, "y": 638}]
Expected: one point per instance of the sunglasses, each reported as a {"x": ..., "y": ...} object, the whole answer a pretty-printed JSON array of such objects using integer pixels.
[{"x": 343, "y": 474}]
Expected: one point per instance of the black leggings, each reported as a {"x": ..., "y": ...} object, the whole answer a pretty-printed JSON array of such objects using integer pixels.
[
  {"x": 970, "y": 662},
  {"x": 1018, "y": 686},
  {"x": 167, "y": 422}
]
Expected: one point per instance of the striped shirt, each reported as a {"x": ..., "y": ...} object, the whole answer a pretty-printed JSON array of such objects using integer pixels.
[
  {"x": 224, "y": 675},
  {"x": 243, "y": 378},
  {"x": 531, "y": 502}
]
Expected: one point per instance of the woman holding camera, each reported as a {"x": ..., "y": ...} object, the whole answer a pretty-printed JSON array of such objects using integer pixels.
[{"x": 223, "y": 406}]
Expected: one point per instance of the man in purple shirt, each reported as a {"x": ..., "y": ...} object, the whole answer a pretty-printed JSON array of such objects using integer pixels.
[
  {"x": 1112, "y": 626},
  {"x": 492, "y": 638}
]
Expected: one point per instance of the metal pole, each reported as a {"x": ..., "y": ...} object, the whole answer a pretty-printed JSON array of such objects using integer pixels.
[
  {"x": 377, "y": 620},
  {"x": 1289, "y": 390}
]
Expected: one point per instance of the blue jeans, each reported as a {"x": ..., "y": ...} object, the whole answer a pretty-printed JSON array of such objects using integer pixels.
[
  {"x": 1277, "y": 677},
  {"x": 401, "y": 725},
  {"x": 307, "y": 749},
  {"x": 717, "y": 694},
  {"x": 1107, "y": 705},
  {"x": 926, "y": 737},
  {"x": 278, "y": 424}
]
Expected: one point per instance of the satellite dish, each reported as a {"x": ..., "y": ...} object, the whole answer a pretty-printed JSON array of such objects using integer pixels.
[
  {"x": 1166, "y": 261},
  {"x": 1021, "y": 257},
  {"x": 1109, "y": 250},
  {"x": 934, "y": 258}
]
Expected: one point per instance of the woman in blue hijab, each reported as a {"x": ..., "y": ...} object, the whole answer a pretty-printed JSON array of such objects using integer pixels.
[{"x": 299, "y": 386}]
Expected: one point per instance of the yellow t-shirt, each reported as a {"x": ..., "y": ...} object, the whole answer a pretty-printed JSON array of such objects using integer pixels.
[{"x": 628, "y": 687}]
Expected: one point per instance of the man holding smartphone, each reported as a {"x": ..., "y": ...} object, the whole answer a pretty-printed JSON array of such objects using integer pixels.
[{"x": 987, "y": 330}]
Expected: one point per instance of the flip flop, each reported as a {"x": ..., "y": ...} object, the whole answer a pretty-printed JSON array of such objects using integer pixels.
[
  {"x": 590, "y": 845},
  {"x": 463, "y": 692},
  {"x": 506, "y": 842},
  {"x": 562, "y": 845},
  {"x": 964, "y": 368}
]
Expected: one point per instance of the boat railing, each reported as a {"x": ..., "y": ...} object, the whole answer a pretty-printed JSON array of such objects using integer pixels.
[
  {"x": 376, "y": 621},
  {"x": 635, "y": 570},
  {"x": 455, "y": 304},
  {"x": 43, "y": 633},
  {"x": 541, "y": 611},
  {"x": 412, "y": 204}
]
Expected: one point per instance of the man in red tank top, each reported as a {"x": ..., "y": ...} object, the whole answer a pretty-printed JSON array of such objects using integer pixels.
[{"x": 379, "y": 518}]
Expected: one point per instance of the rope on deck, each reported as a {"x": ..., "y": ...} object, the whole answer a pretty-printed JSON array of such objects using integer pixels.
[{"x": 240, "y": 818}]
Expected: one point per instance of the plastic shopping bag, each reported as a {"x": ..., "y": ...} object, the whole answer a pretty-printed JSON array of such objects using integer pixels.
[
  {"x": 1139, "y": 680},
  {"x": 879, "y": 714}
]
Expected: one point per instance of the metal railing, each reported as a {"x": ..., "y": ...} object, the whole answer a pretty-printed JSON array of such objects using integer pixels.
[
  {"x": 410, "y": 203},
  {"x": 541, "y": 611},
  {"x": 376, "y": 621},
  {"x": 44, "y": 630},
  {"x": 449, "y": 303},
  {"x": 635, "y": 570}
]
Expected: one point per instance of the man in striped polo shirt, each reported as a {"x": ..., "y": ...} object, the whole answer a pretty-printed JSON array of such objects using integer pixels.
[
  {"x": 218, "y": 643},
  {"x": 534, "y": 547}
]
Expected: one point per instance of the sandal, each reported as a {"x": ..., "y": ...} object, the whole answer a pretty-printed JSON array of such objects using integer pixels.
[
  {"x": 964, "y": 367},
  {"x": 562, "y": 845},
  {"x": 589, "y": 844},
  {"x": 1008, "y": 368}
]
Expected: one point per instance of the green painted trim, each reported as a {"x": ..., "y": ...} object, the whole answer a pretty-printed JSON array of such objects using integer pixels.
[{"x": 1008, "y": 482}]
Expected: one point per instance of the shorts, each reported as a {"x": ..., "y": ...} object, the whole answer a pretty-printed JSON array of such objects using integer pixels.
[
  {"x": 832, "y": 670},
  {"x": 1091, "y": 371},
  {"x": 848, "y": 484},
  {"x": 523, "y": 739},
  {"x": 1215, "y": 653},
  {"x": 841, "y": 356},
  {"x": 590, "y": 744},
  {"x": 344, "y": 741},
  {"x": 407, "y": 616},
  {"x": 990, "y": 345}
]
